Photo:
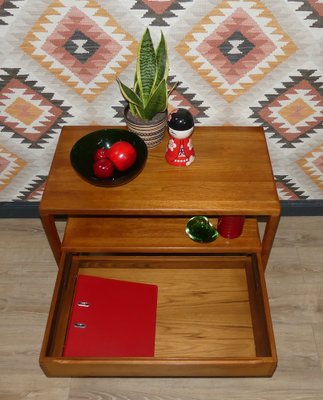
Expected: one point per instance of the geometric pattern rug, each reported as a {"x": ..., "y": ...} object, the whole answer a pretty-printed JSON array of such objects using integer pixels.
[{"x": 238, "y": 62}]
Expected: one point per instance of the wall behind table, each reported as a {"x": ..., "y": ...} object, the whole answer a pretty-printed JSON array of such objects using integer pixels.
[{"x": 237, "y": 62}]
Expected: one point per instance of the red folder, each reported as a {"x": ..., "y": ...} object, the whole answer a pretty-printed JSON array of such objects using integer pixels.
[{"x": 111, "y": 318}]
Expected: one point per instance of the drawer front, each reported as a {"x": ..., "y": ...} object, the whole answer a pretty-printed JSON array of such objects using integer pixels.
[{"x": 213, "y": 317}]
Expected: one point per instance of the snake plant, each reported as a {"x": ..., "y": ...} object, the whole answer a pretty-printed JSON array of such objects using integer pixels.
[{"x": 149, "y": 94}]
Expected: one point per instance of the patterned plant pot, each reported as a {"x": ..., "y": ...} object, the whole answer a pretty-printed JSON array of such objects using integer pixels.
[{"x": 151, "y": 132}]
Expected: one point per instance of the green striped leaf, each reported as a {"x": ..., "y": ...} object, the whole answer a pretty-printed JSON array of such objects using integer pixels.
[
  {"x": 129, "y": 94},
  {"x": 157, "y": 102},
  {"x": 162, "y": 60},
  {"x": 146, "y": 67}
]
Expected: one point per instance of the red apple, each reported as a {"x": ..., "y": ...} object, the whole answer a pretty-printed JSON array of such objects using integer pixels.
[
  {"x": 100, "y": 153},
  {"x": 122, "y": 154},
  {"x": 103, "y": 168}
]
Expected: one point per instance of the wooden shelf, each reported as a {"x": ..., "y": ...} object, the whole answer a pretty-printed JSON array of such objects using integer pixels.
[
  {"x": 150, "y": 235},
  {"x": 212, "y": 317}
]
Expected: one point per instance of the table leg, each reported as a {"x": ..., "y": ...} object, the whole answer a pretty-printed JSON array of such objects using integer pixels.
[
  {"x": 53, "y": 238},
  {"x": 268, "y": 239}
]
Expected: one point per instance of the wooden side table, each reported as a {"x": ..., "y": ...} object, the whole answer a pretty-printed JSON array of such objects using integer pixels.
[
  {"x": 232, "y": 174},
  {"x": 137, "y": 232}
]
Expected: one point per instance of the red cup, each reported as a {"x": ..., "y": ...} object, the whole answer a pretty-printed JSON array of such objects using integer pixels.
[{"x": 230, "y": 226}]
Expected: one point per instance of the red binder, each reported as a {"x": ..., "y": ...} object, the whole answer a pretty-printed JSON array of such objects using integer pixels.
[{"x": 111, "y": 318}]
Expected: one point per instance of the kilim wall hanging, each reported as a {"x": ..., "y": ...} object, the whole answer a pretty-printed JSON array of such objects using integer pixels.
[{"x": 239, "y": 62}]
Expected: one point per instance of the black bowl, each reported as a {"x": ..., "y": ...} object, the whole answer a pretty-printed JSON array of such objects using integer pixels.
[{"x": 84, "y": 149}]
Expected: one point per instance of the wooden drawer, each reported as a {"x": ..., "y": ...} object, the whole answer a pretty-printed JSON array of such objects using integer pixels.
[{"x": 213, "y": 316}]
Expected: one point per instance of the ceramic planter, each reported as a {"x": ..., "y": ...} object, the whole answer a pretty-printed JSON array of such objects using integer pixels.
[{"x": 152, "y": 131}]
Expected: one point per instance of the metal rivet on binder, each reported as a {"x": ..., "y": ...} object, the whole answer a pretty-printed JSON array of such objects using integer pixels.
[
  {"x": 83, "y": 304},
  {"x": 79, "y": 325}
]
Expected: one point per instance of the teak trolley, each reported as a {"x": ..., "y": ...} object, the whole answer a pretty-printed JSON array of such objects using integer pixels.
[{"x": 213, "y": 316}]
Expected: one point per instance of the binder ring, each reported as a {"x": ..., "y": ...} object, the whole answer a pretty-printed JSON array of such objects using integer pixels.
[
  {"x": 80, "y": 325},
  {"x": 83, "y": 304}
]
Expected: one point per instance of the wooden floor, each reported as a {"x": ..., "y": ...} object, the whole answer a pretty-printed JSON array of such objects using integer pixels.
[{"x": 295, "y": 283}]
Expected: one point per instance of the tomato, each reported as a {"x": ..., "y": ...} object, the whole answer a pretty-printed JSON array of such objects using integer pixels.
[
  {"x": 103, "y": 168},
  {"x": 122, "y": 154},
  {"x": 100, "y": 153}
]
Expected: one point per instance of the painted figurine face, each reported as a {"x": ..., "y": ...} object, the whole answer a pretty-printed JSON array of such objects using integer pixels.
[{"x": 180, "y": 134}]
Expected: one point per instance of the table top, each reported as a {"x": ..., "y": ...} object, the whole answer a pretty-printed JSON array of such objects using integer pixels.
[{"x": 231, "y": 174}]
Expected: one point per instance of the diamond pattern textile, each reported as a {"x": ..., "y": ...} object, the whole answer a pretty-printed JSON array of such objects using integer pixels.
[{"x": 238, "y": 62}]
